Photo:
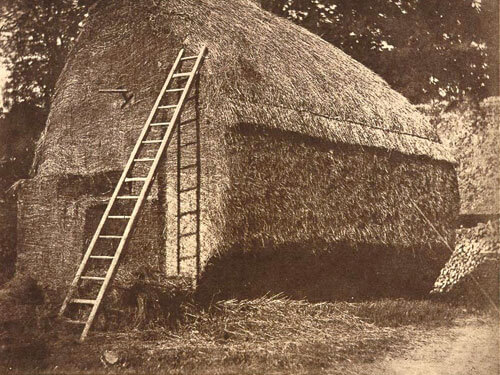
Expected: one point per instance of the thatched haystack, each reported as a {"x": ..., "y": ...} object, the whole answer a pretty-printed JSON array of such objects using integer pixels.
[{"x": 304, "y": 154}]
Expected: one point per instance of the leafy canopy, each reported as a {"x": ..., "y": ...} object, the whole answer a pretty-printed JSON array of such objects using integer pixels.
[
  {"x": 425, "y": 49},
  {"x": 35, "y": 38}
]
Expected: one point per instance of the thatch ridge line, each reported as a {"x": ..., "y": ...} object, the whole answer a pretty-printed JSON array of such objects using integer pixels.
[
  {"x": 338, "y": 119},
  {"x": 321, "y": 127},
  {"x": 326, "y": 144}
]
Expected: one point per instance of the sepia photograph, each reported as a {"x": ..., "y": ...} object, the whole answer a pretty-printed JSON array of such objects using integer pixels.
[{"x": 216, "y": 187}]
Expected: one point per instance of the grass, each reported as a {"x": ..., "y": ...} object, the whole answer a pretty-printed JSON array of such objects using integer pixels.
[
  {"x": 401, "y": 312},
  {"x": 269, "y": 334}
]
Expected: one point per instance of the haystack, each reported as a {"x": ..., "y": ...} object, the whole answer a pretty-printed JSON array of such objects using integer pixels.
[{"x": 311, "y": 166}]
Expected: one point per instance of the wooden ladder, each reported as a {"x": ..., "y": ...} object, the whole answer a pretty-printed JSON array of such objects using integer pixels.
[{"x": 92, "y": 254}]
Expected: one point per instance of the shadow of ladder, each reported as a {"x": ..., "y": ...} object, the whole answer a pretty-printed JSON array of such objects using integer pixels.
[{"x": 188, "y": 190}]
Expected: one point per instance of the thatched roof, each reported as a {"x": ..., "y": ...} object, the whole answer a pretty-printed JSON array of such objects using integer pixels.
[{"x": 261, "y": 69}]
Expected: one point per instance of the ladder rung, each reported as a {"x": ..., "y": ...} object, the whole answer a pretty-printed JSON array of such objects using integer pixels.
[
  {"x": 167, "y": 106},
  {"x": 188, "y": 144},
  {"x": 189, "y": 58},
  {"x": 83, "y": 301},
  {"x": 127, "y": 197},
  {"x": 193, "y": 212},
  {"x": 144, "y": 159},
  {"x": 101, "y": 257},
  {"x": 118, "y": 217},
  {"x": 188, "y": 189},
  {"x": 187, "y": 121},
  {"x": 110, "y": 236},
  {"x": 179, "y": 75},
  {"x": 132, "y": 179},
  {"x": 188, "y": 166},
  {"x": 159, "y": 124},
  {"x": 187, "y": 257},
  {"x": 93, "y": 278},
  {"x": 175, "y": 90},
  {"x": 153, "y": 141},
  {"x": 187, "y": 234},
  {"x": 71, "y": 321}
]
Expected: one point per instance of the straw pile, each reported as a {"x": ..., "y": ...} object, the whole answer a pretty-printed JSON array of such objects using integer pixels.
[
  {"x": 477, "y": 254},
  {"x": 301, "y": 146},
  {"x": 275, "y": 332},
  {"x": 20, "y": 339}
]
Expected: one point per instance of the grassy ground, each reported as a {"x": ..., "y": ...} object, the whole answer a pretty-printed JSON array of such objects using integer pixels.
[{"x": 266, "y": 335}]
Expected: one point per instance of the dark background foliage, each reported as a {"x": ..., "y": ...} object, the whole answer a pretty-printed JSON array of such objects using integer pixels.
[
  {"x": 35, "y": 38},
  {"x": 425, "y": 49}
]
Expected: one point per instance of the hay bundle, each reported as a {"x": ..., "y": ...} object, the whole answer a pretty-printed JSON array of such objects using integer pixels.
[
  {"x": 20, "y": 340},
  {"x": 472, "y": 273}
]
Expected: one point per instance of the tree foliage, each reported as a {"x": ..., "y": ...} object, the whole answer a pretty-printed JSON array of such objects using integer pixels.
[
  {"x": 35, "y": 38},
  {"x": 424, "y": 49},
  {"x": 20, "y": 128}
]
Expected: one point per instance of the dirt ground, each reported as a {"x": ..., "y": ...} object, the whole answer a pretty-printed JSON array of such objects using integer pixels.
[{"x": 472, "y": 348}]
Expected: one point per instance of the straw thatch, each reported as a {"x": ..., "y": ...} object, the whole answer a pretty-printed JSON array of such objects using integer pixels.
[{"x": 301, "y": 146}]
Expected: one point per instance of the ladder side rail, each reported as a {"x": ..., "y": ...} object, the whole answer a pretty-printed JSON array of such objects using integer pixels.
[
  {"x": 198, "y": 180},
  {"x": 166, "y": 140},
  {"x": 119, "y": 185},
  {"x": 178, "y": 170}
]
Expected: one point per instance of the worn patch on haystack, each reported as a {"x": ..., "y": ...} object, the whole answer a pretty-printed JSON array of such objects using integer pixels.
[{"x": 56, "y": 224}]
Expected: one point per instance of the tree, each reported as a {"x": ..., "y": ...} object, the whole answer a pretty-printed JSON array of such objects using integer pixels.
[
  {"x": 35, "y": 39},
  {"x": 20, "y": 128},
  {"x": 423, "y": 49}
]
